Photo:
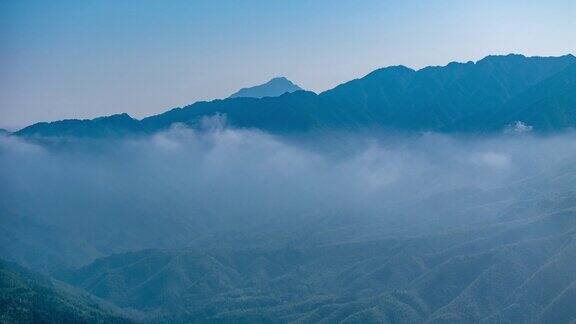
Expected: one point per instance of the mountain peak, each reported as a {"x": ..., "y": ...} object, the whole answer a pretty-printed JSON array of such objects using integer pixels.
[
  {"x": 279, "y": 79},
  {"x": 116, "y": 117},
  {"x": 273, "y": 88},
  {"x": 390, "y": 70}
]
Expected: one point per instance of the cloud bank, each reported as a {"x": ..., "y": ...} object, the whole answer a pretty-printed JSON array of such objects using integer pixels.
[{"x": 176, "y": 187}]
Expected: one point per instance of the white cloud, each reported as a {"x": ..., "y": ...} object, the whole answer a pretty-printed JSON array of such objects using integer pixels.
[{"x": 518, "y": 127}]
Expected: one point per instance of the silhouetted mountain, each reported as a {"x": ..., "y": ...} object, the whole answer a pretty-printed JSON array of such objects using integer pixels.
[
  {"x": 435, "y": 98},
  {"x": 26, "y": 297},
  {"x": 4, "y": 132},
  {"x": 547, "y": 106},
  {"x": 273, "y": 88},
  {"x": 115, "y": 125},
  {"x": 485, "y": 96}
]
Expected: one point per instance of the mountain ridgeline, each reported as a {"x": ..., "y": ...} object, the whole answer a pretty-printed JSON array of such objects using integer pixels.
[
  {"x": 481, "y": 97},
  {"x": 273, "y": 88}
]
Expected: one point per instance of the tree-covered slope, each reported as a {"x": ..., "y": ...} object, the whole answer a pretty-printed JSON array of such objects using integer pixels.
[
  {"x": 547, "y": 106},
  {"x": 26, "y": 297},
  {"x": 468, "y": 277},
  {"x": 515, "y": 266}
]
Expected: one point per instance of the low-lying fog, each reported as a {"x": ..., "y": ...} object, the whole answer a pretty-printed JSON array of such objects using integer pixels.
[{"x": 173, "y": 188}]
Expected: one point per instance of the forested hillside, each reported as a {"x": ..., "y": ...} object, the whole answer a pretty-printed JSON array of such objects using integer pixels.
[{"x": 26, "y": 297}]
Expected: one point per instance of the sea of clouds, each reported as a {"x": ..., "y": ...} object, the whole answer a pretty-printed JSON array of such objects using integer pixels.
[{"x": 216, "y": 178}]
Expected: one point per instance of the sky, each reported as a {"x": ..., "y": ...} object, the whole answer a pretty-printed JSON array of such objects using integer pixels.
[{"x": 82, "y": 59}]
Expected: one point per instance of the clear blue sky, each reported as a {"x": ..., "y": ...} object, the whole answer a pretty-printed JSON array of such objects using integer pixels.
[{"x": 78, "y": 59}]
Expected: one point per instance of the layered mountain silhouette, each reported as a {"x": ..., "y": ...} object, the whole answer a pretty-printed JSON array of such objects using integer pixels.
[
  {"x": 485, "y": 96},
  {"x": 273, "y": 88}
]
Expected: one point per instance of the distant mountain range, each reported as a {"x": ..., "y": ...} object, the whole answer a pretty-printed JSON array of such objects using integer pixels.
[
  {"x": 490, "y": 95},
  {"x": 273, "y": 88}
]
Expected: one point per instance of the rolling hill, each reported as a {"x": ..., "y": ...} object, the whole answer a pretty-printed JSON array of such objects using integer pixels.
[{"x": 513, "y": 266}]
